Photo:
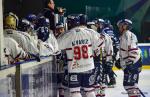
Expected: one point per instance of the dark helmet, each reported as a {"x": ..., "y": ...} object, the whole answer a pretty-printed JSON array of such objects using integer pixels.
[
  {"x": 76, "y": 20},
  {"x": 24, "y": 25},
  {"x": 32, "y": 18},
  {"x": 107, "y": 22},
  {"x": 83, "y": 19},
  {"x": 43, "y": 33},
  {"x": 43, "y": 22},
  {"x": 73, "y": 20},
  {"x": 100, "y": 21}
]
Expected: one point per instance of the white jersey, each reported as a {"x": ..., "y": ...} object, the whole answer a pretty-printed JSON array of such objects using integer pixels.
[
  {"x": 46, "y": 49},
  {"x": 21, "y": 40},
  {"x": 49, "y": 47},
  {"x": 108, "y": 47},
  {"x": 31, "y": 43},
  {"x": 79, "y": 44},
  {"x": 13, "y": 50},
  {"x": 129, "y": 51},
  {"x": 52, "y": 41}
]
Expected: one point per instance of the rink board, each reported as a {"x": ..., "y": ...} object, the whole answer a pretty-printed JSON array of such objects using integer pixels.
[{"x": 37, "y": 79}]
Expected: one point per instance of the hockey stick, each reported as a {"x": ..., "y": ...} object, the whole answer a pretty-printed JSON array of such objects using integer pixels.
[
  {"x": 141, "y": 93},
  {"x": 114, "y": 73}
]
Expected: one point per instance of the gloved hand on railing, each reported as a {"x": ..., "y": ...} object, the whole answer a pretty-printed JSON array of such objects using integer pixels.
[
  {"x": 35, "y": 56},
  {"x": 117, "y": 64}
]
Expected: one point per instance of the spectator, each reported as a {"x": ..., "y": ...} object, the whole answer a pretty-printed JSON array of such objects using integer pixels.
[{"x": 49, "y": 12}]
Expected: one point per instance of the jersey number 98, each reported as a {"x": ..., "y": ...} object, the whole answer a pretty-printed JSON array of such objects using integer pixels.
[{"x": 81, "y": 52}]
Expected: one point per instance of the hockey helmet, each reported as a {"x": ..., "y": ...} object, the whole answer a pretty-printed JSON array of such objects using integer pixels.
[
  {"x": 43, "y": 22},
  {"x": 125, "y": 22},
  {"x": 43, "y": 33},
  {"x": 32, "y": 18},
  {"x": 11, "y": 21}
]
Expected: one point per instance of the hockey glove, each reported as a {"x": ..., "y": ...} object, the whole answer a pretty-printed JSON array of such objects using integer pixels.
[
  {"x": 117, "y": 64},
  {"x": 134, "y": 67},
  {"x": 108, "y": 67},
  {"x": 35, "y": 56}
]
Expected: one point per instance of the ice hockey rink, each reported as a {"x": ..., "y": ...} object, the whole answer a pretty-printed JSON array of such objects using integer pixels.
[
  {"x": 118, "y": 91},
  {"x": 38, "y": 79}
]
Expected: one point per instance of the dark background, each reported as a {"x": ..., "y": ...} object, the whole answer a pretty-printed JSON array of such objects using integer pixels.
[{"x": 136, "y": 10}]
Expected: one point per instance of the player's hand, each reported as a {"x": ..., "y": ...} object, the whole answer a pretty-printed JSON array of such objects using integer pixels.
[
  {"x": 61, "y": 10},
  {"x": 36, "y": 57},
  {"x": 108, "y": 67},
  {"x": 117, "y": 64},
  {"x": 133, "y": 67}
]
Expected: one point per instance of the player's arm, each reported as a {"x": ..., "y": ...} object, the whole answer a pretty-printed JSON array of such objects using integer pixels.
[
  {"x": 133, "y": 50},
  {"x": 62, "y": 42},
  {"x": 109, "y": 53},
  {"x": 109, "y": 49},
  {"x": 97, "y": 41}
]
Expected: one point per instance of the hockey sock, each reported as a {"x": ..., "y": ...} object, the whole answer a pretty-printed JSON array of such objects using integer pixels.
[
  {"x": 76, "y": 94},
  {"x": 90, "y": 94}
]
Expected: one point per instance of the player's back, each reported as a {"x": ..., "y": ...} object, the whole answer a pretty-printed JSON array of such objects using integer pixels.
[
  {"x": 17, "y": 37},
  {"x": 108, "y": 48},
  {"x": 15, "y": 51},
  {"x": 79, "y": 45}
]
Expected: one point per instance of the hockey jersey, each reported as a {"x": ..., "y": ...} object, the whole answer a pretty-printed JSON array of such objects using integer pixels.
[
  {"x": 53, "y": 41},
  {"x": 79, "y": 43},
  {"x": 13, "y": 51},
  {"x": 108, "y": 48},
  {"x": 22, "y": 39},
  {"x": 16, "y": 36},
  {"x": 129, "y": 51}
]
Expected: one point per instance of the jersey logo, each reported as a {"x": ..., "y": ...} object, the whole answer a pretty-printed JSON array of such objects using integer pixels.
[
  {"x": 91, "y": 79},
  {"x": 73, "y": 78}
]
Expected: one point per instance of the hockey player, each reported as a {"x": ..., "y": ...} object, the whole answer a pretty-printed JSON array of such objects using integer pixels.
[
  {"x": 32, "y": 18},
  {"x": 59, "y": 29},
  {"x": 103, "y": 62},
  {"x": 91, "y": 25},
  {"x": 108, "y": 28},
  {"x": 10, "y": 30},
  {"x": 13, "y": 51},
  {"x": 45, "y": 48},
  {"x": 61, "y": 63},
  {"x": 25, "y": 27},
  {"x": 79, "y": 43},
  {"x": 130, "y": 59},
  {"x": 46, "y": 35}
]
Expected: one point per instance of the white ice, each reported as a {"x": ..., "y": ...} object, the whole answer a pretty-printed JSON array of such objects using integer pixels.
[{"x": 118, "y": 91}]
